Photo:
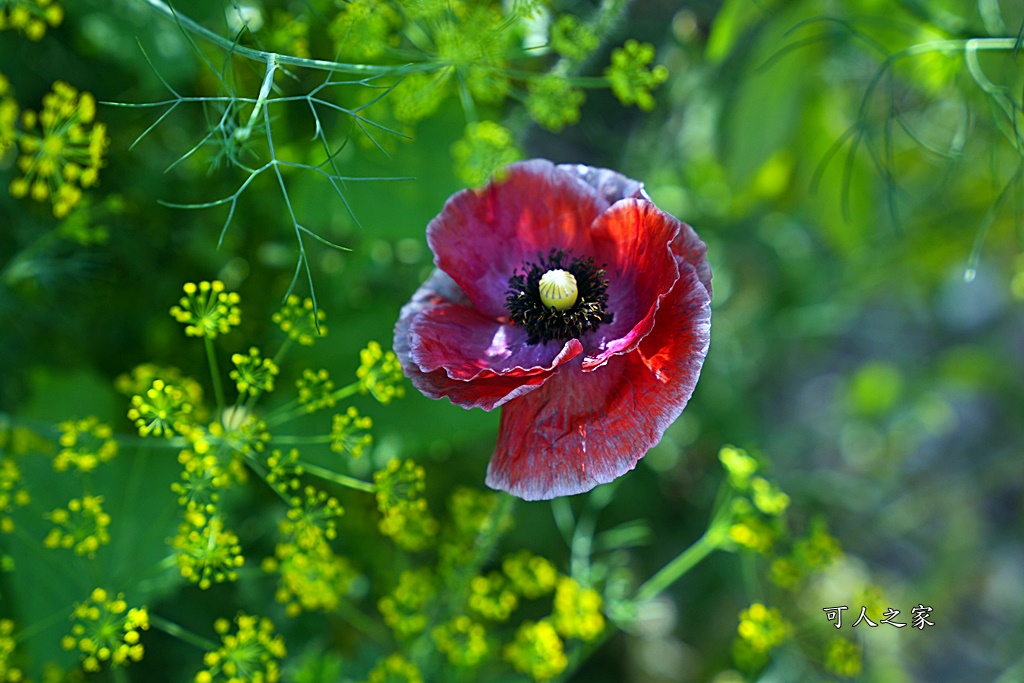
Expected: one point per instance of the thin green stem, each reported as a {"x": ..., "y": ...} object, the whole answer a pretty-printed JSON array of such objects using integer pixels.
[
  {"x": 712, "y": 539},
  {"x": 218, "y": 387},
  {"x": 172, "y": 629},
  {"x": 292, "y": 440},
  {"x": 285, "y": 345},
  {"x": 191, "y": 25},
  {"x": 607, "y": 15},
  {"x": 683, "y": 562},
  {"x": 268, "y": 82},
  {"x": 342, "y": 479}
]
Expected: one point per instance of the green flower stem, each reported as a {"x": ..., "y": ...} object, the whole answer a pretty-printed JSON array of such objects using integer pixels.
[
  {"x": 268, "y": 82},
  {"x": 285, "y": 345},
  {"x": 218, "y": 387},
  {"x": 682, "y": 563},
  {"x": 188, "y": 24},
  {"x": 608, "y": 15},
  {"x": 344, "y": 480},
  {"x": 292, "y": 440},
  {"x": 172, "y": 629}
]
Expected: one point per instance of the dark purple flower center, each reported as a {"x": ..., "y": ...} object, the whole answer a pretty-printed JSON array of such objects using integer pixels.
[{"x": 546, "y": 323}]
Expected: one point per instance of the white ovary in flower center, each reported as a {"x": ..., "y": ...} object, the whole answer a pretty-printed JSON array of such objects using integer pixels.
[{"x": 558, "y": 289}]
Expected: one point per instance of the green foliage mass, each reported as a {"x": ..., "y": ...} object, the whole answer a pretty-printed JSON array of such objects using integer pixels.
[{"x": 212, "y": 469}]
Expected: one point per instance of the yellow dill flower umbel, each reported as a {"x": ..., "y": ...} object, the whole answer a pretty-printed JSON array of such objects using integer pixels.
[
  {"x": 251, "y": 653},
  {"x": 405, "y": 608},
  {"x": 763, "y": 628},
  {"x": 843, "y": 657},
  {"x": 349, "y": 433},
  {"x": 206, "y": 552},
  {"x": 207, "y": 310},
  {"x": 253, "y": 374},
  {"x": 61, "y": 148},
  {"x": 531, "y": 575},
  {"x": 537, "y": 651},
  {"x": 380, "y": 373},
  {"x": 162, "y": 410},
  {"x": 8, "y": 672},
  {"x": 106, "y": 630},
  {"x": 13, "y": 493},
  {"x": 310, "y": 578},
  {"x": 81, "y": 527},
  {"x": 577, "y": 610},
  {"x": 394, "y": 669},
  {"x": 31, "y": 17},
  {"x": 85, "y": 444},
  {"x": 462, "y": 640},
  {"x": 315, "y": 389},
  {"x": 301, "y": 320}
]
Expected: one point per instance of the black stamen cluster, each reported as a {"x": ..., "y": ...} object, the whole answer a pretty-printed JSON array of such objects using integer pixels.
[{"x": 544, "y": 323}]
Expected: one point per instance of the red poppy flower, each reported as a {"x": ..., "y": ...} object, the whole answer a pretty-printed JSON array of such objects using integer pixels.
[{"x": 564, "y": 295}]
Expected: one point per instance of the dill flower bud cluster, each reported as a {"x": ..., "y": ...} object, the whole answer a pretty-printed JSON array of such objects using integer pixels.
[
  {"x": 537, "y": 650},
  {"x": 301, "y": 320},
  {"x": 403, "y": 608},
  {"x": 405, "y": 516},
  {"x": 81, "y": 527},
  {"x": 253, "y": 374},
  {"x": 312, "y": 576},
  {"x": 162, "y": 410},
  {"x": 250, "y": 654},
  {"x": 809, "y": 553},
  {"x": 350, "y": 433},
  {"x": 207, "y": 552},
  {"x": 84, "y": 444},
  {"x": 761, "y": 629},
  {"x": 8, "y": 672},
  {"x": 203, "y": 477},
  {"x": 315, "y": 390},
  {"x": 31, "y": 17},
  {"x": 207, "y": 310},
  {"x": 380, "y": 374},
  {"x": 843, "y": 657},
  {"x": 106, "y": 630},
  {"x": 485, "y": 147},
  {"x": 61, "y": 149},
  {"x": 531, "y": 575},
  {"x": 13, "y": 493},
  {"x": 394, "y": 669},
  {"x": 630, "y": 76},
  {"x": 577, "y": 610},
  {"x": 758, "y": 509},
  {"x": 8, "y": 114},
  {"x": 462, "y": 640}
]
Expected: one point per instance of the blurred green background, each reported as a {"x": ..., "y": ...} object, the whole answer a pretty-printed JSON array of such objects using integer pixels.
[{"x": 855, "y": 169}]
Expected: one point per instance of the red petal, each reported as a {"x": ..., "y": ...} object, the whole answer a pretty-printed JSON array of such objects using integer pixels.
[
  {"x": 581, "y": 429},
  {"x": 482, "y": 236},
  {"x": 692, "y": 249},
  {"x": 447, "y": 348},
  {"x": 634, "y": 240}
]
